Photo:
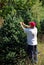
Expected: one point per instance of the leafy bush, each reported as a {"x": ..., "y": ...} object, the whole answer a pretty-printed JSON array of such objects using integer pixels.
[
  {"x": 12, "y": 40},
  {"x": 42, "y": 26}
]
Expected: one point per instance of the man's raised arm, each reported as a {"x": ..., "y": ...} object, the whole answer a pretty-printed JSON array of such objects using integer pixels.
[
  {"x": 24, "y": 25},
  {"x": 21, "y": 25}
]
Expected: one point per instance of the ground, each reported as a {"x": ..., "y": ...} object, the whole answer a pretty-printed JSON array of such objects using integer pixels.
[{"x": 40, "y": 56}]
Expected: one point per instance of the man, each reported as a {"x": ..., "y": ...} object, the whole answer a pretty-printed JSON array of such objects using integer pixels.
[{"x": 31, "y": 32}]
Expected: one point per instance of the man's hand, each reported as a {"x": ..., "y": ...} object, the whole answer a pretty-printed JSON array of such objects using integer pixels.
[
  {"x": 24, "y": 25},
  {"x": 20, "y": 22}
]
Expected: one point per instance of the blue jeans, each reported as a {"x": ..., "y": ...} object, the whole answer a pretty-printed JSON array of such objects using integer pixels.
[{"x": 32, "y": 52}]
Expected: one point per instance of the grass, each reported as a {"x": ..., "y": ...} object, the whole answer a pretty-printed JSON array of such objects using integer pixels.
[{"x": 40, "y": 56}]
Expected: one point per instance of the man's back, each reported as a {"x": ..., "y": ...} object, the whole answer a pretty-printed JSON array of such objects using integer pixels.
[{"x": 31, "y": 35}]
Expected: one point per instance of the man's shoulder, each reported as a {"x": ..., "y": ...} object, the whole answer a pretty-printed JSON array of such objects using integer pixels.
[
  {"x": 35, "y": 27},
  {"x": 27, "y": 28}
]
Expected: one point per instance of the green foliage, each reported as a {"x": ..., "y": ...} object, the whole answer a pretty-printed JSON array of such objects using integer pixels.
[
  {"x": 12, "y": 40},
  {"x": 42, "y": 26},
  {"x": 12, "y": 37},
  {"x": 42, "y": 2}
]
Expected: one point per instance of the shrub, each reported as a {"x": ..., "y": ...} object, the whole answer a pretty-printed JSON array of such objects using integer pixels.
[
  {"x": 12, "y": 40},
  {"x": 42, "y": 26}
]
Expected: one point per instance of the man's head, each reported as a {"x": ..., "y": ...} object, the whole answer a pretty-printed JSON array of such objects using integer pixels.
[{"x": 32, "y": 24}]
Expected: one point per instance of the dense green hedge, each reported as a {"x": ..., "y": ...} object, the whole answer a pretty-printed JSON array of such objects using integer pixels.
[{"x": 12, "y": 41}]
